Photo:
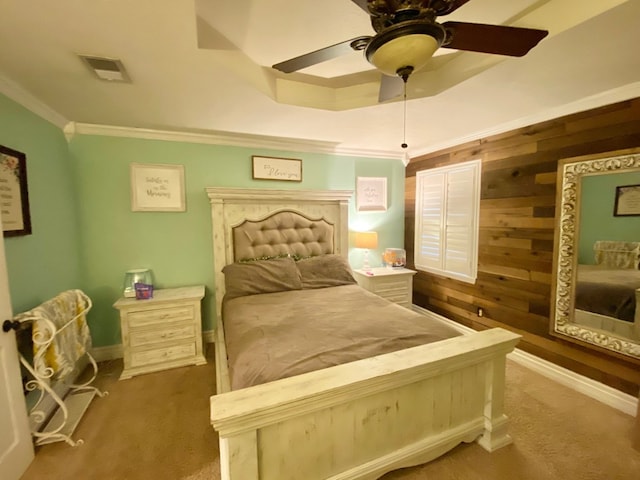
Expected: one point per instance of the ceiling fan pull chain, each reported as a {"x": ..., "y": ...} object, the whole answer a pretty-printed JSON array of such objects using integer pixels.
[{"x": 404, "y": 131}]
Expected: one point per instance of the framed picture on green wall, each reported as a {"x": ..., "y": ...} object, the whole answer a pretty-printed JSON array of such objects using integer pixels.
[
  {"x": 157, "y": 188},
  {"x": 14, "y": 194},
  {"x": 371, "y": 194},
  {"x": 271, "y": 168},
  {"x": 627, "y": 200}
]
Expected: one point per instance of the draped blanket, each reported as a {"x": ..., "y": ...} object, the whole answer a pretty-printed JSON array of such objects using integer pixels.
[{"x": 60, "y": 333}]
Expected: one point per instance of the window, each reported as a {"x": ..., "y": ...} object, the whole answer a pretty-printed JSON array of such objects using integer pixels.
[{"x": 447, "y": 210}]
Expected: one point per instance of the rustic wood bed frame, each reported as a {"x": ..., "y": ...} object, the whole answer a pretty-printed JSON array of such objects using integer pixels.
[{"x": 358, "y": 420}]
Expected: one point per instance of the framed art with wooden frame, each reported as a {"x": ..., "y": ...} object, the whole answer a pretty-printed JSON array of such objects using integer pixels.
[
  {"x": 627, "y": 201},
  {"x": 272, "y": 168},
  {"x": 14, "y": 194},
  {"x": 157, "y": 188},
  {"x": 371, "y": 194}
]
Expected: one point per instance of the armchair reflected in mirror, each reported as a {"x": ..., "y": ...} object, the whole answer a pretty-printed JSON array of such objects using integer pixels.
[{"x": 596, "y": 289}]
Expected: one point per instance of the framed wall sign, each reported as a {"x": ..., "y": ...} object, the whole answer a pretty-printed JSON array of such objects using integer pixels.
[
  {"x": 157, "y": 188},
  {"x": 627, "y": 201},
  {"x": 271, "y": 168},
  {"x": 14, "y": 195},
  {"x": 371, "y": 194}
]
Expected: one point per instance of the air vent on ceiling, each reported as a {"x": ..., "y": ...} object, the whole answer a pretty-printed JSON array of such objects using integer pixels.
[{"x": 110, "y": 69}]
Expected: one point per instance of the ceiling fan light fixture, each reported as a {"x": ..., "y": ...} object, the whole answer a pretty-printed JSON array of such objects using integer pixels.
[{"x": 407, "y": 44}]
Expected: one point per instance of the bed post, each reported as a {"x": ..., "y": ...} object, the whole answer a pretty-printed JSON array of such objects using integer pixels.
[
  {"x": 219, "y": 259},
  {"x": 496, "y": 422},
  {"x": 239, "y": 457}
]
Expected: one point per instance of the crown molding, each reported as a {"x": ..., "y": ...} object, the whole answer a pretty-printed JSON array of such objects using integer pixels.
[
  {"x": 226, "y": 138},
  {"x": 21, "y": 96},
  {"x": 609, "y": 97}
]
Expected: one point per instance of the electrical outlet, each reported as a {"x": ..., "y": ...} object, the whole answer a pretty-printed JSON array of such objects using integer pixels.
[{"x": 480, "y": 312}]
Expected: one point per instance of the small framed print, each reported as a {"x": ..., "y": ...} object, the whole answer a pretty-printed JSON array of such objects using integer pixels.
[
  {"x": 272, "y": 168},
  {"x": 627, "y": 201},
  {"x": 14, "y": 194},
  {"x": 371, "y": 194},
  {"x": 157, "y": 188}
]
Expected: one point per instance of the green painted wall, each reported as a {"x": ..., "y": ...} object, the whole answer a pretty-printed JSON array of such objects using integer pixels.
[
  {"x": 177, "y": 246},
  {"x": 597, "y": 222},
  {"x": 46, "y": 262},
  {"x": 86, "y": 236}
]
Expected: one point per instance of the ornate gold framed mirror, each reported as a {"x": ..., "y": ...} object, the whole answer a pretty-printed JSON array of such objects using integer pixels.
[{"x": 596, "y": 288}]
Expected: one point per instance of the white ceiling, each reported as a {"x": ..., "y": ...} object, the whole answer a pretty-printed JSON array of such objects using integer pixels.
[{"x": 203, "y": 66}]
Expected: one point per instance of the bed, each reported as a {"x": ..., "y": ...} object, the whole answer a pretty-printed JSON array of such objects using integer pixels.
[
  {"x": 354, "y": 419},
  {"x": 607, "y": 294}
]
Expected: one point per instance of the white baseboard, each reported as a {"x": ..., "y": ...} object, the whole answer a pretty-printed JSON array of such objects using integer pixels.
[
  {"x": 596, "y": 390},
  {"x": 609, "y": 396},
  {"x": 110, "y": 352},
  {"x": 209, "y": 336},
  {"x": 603, "y": 393}
]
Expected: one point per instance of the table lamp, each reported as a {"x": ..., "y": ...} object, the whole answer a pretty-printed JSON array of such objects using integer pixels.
[{"x": 368, "y": 241}]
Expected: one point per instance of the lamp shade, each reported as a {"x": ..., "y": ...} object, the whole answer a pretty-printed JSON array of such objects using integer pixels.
[
  {"x": 407, "y": 44},
  {"x": 367, "y": 240}
]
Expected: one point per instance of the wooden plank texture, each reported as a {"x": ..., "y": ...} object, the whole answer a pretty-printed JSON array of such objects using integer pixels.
[{"x": 517, "y": 211}]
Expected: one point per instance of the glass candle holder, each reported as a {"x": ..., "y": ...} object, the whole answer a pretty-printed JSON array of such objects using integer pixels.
[
  {"x": 138, "y": 275},
  {"x": 395, "y": 257}
]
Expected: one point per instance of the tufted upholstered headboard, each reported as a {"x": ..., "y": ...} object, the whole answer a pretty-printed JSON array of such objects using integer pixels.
[
  {"x": 283, "y": 233},
  {"x": 614, "y": 254},
  {"x": 252, "y": 223}
]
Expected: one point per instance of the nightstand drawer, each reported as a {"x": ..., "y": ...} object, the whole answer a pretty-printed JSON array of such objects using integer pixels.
[
  {"x": 398, "y": 297},
  {"x": 393, "y": 285},
  {"x": 161, "y": 355},
  {"x": 178, "y": 331},
  {"x": 160, "y": 315}
]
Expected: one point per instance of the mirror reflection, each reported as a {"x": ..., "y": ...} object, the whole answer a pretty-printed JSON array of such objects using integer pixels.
[{"x": 597, "y": 283}]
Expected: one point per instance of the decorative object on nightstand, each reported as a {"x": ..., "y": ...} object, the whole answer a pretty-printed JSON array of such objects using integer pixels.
[
  {"x": 137, "y": 275},
  {"x": 395, "y": 257},
  {"x": 162, "y": 332},
  {"x": 394, "y": 284},
  {"x": 367, "y": 241}
]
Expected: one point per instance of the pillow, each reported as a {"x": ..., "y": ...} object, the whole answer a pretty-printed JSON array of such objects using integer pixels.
[
  {"x": 261, "y": 276},
  {"x": 325, "y": 271}
]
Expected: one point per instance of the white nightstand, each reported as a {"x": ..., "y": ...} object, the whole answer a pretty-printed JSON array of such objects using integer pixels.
[
  {"x": 162, "y": 332},
  {"x": 394, "y": 284}
]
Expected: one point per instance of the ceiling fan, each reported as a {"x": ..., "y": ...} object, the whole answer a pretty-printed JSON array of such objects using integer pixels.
[{"x": 407, "y": 36}]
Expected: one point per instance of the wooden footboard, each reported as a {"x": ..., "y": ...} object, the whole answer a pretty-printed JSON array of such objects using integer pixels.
[{"x": 363, "y": 419}]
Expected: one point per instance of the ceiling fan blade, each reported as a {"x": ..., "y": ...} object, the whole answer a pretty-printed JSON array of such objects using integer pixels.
[
  {"x": 362, "y": 4},
  {"x": 445, "y": 7},
  {"x": 322, "y": 55},
  {"x": 390, "y": 87},
  {"x": 497, "y": 39}
]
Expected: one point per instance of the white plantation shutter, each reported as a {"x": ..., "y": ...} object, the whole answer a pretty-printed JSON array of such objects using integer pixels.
[
  {"x": 447, "y": 209},
  {"x": 429, "y": 227}
]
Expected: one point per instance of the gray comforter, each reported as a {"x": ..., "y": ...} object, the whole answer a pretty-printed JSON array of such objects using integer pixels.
[{"x": 278, "y": 335}]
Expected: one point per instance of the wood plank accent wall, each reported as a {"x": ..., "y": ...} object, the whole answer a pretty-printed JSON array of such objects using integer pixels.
[{"x": 517, "y": 221}]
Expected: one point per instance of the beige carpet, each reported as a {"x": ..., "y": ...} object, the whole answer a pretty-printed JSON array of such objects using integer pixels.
[{"x": 156, "y": 427}]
